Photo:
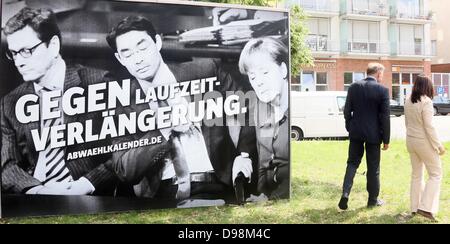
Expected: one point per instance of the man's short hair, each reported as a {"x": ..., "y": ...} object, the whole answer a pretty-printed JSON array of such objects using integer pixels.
[
  {"x": 374, "y": 68},
  {"x": 131, "y": 23},
  {"x": 42, "y": 21}
]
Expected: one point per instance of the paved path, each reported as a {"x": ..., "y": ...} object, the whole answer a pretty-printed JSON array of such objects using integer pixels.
[{"x": 442, "y": 124}]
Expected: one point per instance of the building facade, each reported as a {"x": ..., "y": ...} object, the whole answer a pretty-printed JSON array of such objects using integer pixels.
[
  {"x": 345, "y": 35},
  {"x": 440, "y": 34}
]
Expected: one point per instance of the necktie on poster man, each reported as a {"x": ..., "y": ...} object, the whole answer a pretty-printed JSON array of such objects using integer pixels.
[{"x": 51, "y": 166}]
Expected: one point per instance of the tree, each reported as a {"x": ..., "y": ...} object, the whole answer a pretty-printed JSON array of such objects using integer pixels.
[{"x": 300, "y": 53}]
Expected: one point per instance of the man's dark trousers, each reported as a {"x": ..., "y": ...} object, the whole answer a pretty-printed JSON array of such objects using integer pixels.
[{"x": 355, "y": 154}]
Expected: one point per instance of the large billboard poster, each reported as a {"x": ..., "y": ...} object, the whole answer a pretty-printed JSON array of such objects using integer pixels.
[{"x": 129, "y": 105}]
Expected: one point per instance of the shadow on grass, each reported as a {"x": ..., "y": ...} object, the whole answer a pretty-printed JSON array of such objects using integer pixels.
[
  {"x": 322, "y": 190},
  {"x": 361, "y": 215},
  {"x": 305, "y": 188}
]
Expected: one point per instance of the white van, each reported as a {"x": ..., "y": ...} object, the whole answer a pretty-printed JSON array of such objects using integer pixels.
[{"x": 318, "y": 114}]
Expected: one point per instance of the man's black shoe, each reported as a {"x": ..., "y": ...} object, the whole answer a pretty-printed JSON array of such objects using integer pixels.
[
  {"x": 343, "y": 203},
  {"x": 377, "y": 203}
]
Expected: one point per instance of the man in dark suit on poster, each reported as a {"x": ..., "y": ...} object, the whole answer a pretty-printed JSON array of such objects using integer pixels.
[
  {"x": 34, "y": 45},
  {"x": 155, "y": 171},
  {"x": 367, "y": 119}
]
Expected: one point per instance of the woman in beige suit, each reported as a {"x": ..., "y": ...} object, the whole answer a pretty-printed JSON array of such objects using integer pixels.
[{"x": 424, "y": 149}]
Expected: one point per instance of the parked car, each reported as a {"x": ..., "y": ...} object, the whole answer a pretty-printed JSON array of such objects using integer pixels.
[
  {"x": 318, "y": 115},
  {"x": 441, "y": 105},
  {"x": 396, "y": 109}
]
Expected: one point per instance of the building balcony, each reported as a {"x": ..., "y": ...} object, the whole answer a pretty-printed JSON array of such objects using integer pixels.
[
  {"x": 366, "y": 48},
  {"x": 322, "y": 46},
  {"x": 365, "y": 10},
  {"x": 317, "y": 8},
  {"x": 413, "y": 50},
  {"x": 408, "y": 17}
]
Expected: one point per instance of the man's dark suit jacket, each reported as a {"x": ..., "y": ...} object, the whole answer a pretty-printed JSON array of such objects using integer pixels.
[
  {"x": 19, "y": 156},
  {"x": 367, "y": 112}
]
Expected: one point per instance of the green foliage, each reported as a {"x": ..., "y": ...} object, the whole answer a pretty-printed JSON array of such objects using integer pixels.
[{"x": 300, "y": 52}]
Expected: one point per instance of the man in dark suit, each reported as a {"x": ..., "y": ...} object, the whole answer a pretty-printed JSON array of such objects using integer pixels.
[
  {"x": 152, "y": 170},
  {"x": 34, "y": 44},
  {"x": 367, "y": 121}
]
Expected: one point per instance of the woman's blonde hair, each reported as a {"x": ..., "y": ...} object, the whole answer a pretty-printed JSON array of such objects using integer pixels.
[{"x": 274, "y": 47}]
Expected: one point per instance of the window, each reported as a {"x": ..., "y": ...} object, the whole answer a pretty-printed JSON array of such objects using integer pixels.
[
  {"x": 364, "y": 37},
  {"x": 396, "y": 93},
  {"x": 308, "y": 4},
  {"x": 315, "y": 4},
  {"x": 307, "y": 81},
  {"x": 409, "y": 8},
  {"x": 395, "y": 79},
  {"x": 341, "y": 103},
  {"x": 360, "y": 5},
  {"x": 351, "y": 77},
  {"x": 318, "y": 34},
  {"x": 365, "y": 7},
  {"x": 295, "y": 84},
  {"x": 374, "y": 37},
  {"x": 348, "y": 80},
  {"x": 396, "y": 87},
  {"x": 321, "y": 84},
  {"x": 441, "y": 84},
  {"x": 437, "y": 79},
  {"x": 445, "y": 84},
  {"x": 418, "y": 40},
  {"x": 406, "y": 79},
  {"x": 411, "y": 39},
  {"x": 402, "y": 84},
  {"x": 314, "y": 81}
]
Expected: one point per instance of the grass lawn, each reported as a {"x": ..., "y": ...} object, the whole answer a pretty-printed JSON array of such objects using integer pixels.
[{"x": 318, "y": 170}]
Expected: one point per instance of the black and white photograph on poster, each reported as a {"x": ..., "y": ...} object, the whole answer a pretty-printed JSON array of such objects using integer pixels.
[{"x": 129, "y": 105}]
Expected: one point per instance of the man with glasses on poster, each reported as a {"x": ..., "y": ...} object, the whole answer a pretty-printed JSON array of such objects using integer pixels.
[
  {"x": 34, "y": 45},
  {"x": 24, "y": 52}
]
